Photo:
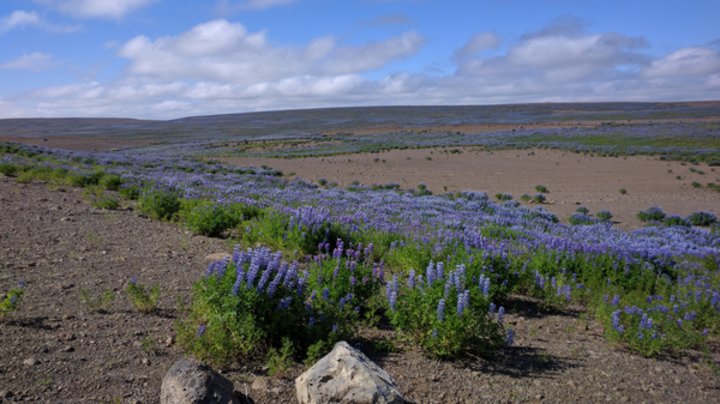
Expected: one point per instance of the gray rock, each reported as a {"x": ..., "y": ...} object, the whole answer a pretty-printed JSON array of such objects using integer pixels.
[
  {"x": 189, "y": 381},
  {"x": 346, "y": 375},
  {"x": 31, "y": 362}
]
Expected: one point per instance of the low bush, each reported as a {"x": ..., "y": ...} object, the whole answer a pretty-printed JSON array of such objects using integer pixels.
[
  {"x": 10, "y": 301},
  {"x": 653, "y": 214},
  {"x": 159, "y": 203},
  {"x": 581, "y": 219},
  {"x": 604, "y": 216},
  {"x": 675, "y": 220},
  {"x": 542, "y": 189},
  {"x": 702, "y": 218},
  {"x": 100, "y": 304}
]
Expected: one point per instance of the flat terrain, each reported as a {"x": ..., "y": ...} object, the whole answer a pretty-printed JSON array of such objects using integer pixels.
[
  {"x": 572, "y": 178},
  {"x": 54, "y": 349}
]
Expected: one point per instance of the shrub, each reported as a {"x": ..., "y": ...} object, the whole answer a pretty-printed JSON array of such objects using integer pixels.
[
  {"x": 99, "y": 304},
  {"x": 583, "y": 210},
  {"x": 143, "y": 299},
  {"x": 653, "y": 214},
  {"x": 447, "y": 315},
  {"x": 106, "y": 202},
  {"x": 251, "y": 303},
  {"x": 111, "y": 182},
  {"x": 696, "y": 184},
  {"x": 675, "y": 220},
  {"x": 9, "y": 170},
  {"x": 541, "y": 188},
  {"x": 538, "y": 198},
  {"x": 581, "y": 219},
  {"x": 623, "y": 191},
  {"x": 161, "y": 204},
  {"x": 525, "y": 198},
  {"x": 213, "y": 220},
  {"x": 9, "y": 301},
  {"x": 130, "y": 191},
  {"x": 604, "y": 215},
  {"x": 503, "y": 197},
  {"x": 702, "y": 218}
]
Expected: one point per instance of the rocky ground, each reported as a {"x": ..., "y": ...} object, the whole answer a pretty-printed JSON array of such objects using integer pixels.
[{"x": 54, "y": 349}]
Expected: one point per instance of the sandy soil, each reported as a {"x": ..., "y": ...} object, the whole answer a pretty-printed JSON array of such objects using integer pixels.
[
  {"x": 53, "y": 349},
  {"x": 573, "y": 179}
]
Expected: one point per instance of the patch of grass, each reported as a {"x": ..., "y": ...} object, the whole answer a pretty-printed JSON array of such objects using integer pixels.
[
  {"x": 100, "y": 303},
  {"x": 143, "y": 299}
]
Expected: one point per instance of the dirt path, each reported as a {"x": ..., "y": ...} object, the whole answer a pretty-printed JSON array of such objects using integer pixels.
[
  {"x": 54, "y": 350},
  {"x": 573, "y": 179}
]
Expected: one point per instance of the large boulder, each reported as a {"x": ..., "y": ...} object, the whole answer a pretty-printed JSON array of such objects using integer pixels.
[
  {"x": 189, "y": 381},
  {"x": 346, "y": 375}
]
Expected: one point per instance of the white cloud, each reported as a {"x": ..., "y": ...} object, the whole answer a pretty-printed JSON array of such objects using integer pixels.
[
  {"x": 113, "y": 9},
  {"x": 19, "y": 19},
  {"x": 686, "y": 62},
  {"x": 36, "y": 61},
  {"x": 223, "y": 51},
  {"x": 477, "y": 43},
  {"x": 229, "y": 6},
  {"x": 221, "y": 67}
]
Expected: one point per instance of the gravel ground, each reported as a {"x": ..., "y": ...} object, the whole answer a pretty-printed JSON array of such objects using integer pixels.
[{"x": 53, "y": 349}]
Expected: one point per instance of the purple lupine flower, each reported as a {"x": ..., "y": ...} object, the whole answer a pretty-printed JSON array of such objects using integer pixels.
[
  {"x": 334, "y": 328},
  {"x": 239, "y": 275},
  {"x": 430, "y": 273},
  {"x": 539, "y": 280},
  {"x": 510, "y": 337},
  {"x": 393, "y": 300},
  {"x": 336, "y": 272},
  {"x": 568, "y": 293},
  {"x": 616, "y": 322},
  {"x": 411, "y": 279},
  {"x": 460, "y": 305},
  {"x": 263, "y": 280},
  {"x": 353, "y": 281},
  {"x": 441, "y": 310},
  {"x": 133, "y": 280},
  {"x": 201, "y": 330},
  {"x": 615, "y": 300},
  {"x": 689, "y": 316},
  {"x": 491, "y": 309},
  {"x": 553, "y": 282},
  {"x": 311, "y": 321},
  {"x": 501, "y": 313},
  {"x": 326, "y": 294},
  {"x": 284, "y": 303},
  {"x": 440, "y": 271},
  {"x": 21, "y": 283},
  {"x": 484, "y": 284}
]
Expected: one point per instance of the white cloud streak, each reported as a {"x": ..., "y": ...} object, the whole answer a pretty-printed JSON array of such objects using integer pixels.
[
  {"x": 35, "y": 61},
  {"x": 20, "y": 19},
  {"x": 107, "y": 9}
]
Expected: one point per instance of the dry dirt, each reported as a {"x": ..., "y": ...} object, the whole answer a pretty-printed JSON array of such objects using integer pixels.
[
  {"x": 53, "y": 349},
  {"x": 572, "y": 178}
]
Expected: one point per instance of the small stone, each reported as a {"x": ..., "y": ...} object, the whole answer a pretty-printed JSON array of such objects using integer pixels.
[
  {"x": 31, "y": 362},
  {"x": 145, "y": 361},
  {"x": 216, "y": 256},
  {"x": 169, "y": 341},
  {"x": 260, "y": 384},
  {"x": 67, "y": 348},
  {"x": 189, "y": 381}
]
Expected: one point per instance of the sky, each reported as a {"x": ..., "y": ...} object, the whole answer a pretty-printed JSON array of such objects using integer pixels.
[{"x": 163, "y": 59}]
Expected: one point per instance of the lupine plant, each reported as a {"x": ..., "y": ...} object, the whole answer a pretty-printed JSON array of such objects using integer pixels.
[{"x": 10, "y": 300}]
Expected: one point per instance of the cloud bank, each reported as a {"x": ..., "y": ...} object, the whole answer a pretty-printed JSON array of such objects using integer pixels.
[{"x": 220, "y": 66}]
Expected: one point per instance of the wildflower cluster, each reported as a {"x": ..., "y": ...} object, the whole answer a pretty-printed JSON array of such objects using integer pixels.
[{"x": 9, "y": 301}]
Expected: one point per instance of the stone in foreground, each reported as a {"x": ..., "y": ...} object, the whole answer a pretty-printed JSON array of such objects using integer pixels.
[
  {"x": 189, "y": 381},
  {"x": 346, "y": 375}
]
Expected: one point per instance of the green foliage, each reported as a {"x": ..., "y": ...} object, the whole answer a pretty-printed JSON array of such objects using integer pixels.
[
  {"x": 143, "y": 299},
  {"x": 158, "y": 203},
  {"x": 130, "y": 191},
  {"x": 428, "y": 316},
  {"x": 604, "y": 215},
  {"x": 525, "y": 198},
  {"x": 279, "y": 361},
  {"x": 111, "y": 182},
  {"x": 542, "y": 189},
  {"x": 653, "y": 214},
  {"x": 106, "y": 202},
  {"x": 100, "y": 304},
  {"x": 11, "y": 300},
  {"x": 252, "y": 309},
  {"x": 213, "y": 220},
  {"x": 538, "y": 198},
  {"x": 9, "y": 169},
  {"x": 702, "y": 218},
  {"x": 676, "y": 221},
  {"x": 623, "y": 191},
  {"x": 581, "y": 219},
  {"x": 583, "y": 210},
  {"x": 503, "y": 197}
]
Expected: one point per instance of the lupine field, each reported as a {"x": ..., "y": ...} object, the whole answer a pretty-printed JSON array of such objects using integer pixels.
[{"x": 313, "y": 264}]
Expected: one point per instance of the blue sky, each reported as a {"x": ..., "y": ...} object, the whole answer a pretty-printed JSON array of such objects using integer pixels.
[{"x": 168, "y": 59}]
